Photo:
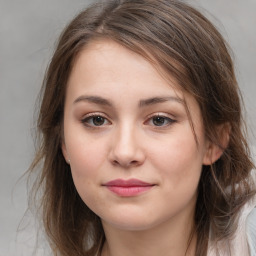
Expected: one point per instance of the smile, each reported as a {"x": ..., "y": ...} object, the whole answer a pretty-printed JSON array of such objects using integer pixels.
[{"x": 128, "y": 188}]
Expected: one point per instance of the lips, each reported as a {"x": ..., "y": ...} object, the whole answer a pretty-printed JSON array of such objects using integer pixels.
[{"x": 128, "y": 188}]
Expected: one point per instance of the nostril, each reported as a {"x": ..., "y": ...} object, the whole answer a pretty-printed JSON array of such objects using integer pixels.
[
  {"x": 115, "y": 162},
  {"x": 134, "y": 162},
  {"x": 125, "y": 164}
]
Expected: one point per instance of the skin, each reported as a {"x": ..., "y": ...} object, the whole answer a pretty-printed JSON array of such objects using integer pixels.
[{"x": 126, "y": 141}]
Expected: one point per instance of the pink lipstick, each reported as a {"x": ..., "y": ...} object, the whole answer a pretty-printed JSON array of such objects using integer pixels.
[{"x": 128, "y": 188}]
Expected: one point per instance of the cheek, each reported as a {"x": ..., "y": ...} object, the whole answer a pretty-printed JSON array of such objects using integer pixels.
[
  {"x": 86, "y": 161},
  {"x": 86, "y": 155},
  {"x": 179, "y": 159}
]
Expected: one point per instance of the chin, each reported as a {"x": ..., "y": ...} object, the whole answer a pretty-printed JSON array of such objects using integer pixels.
[{"x": 132, "y": 222}]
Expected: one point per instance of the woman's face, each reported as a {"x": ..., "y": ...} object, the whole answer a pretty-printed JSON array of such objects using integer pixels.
[{"x": 133, "y": 154}]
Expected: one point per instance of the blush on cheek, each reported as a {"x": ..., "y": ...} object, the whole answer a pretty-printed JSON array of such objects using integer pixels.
[
  {"x": 86, "y": 156},
  {"x": 185, "y": 164}
]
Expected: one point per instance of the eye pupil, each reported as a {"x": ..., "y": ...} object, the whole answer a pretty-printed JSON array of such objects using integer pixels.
[
  {"x": 98, "y": 120},
  {"x": 158, "y": 120}
]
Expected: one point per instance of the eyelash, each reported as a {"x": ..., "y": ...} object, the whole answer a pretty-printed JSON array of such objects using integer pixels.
[
  {"x": 89, "y": 118},
  {"x": 167, "y": 120}
]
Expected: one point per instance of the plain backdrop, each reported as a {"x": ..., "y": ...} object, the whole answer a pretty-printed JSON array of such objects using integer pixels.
[{"x": 28, "y": 30}]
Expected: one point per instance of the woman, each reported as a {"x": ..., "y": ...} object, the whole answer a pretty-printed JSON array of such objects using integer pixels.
[{"x": 142, "y": 145}]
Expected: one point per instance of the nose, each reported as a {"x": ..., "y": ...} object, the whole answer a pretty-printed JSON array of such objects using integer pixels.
[{"x": 127, "y": 149}]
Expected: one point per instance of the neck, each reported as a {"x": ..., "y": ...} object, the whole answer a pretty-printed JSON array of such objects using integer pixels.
[{"x": 172, "y": 238}]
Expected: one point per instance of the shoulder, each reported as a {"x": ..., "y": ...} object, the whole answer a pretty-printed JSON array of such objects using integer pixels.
[
  {"x": 251, "y": 223},
  {"x": 251, "y": 231},
  {"x": 245, "y": 236},
  {"x": 247, "y": 226},
  {"x": 244, "y": 239}
]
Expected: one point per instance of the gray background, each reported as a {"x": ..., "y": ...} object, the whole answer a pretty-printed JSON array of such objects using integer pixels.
[{"x": 28, "y": 30}]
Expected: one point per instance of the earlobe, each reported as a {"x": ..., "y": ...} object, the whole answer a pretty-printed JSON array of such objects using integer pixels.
[{"x": 214, "y": 151}]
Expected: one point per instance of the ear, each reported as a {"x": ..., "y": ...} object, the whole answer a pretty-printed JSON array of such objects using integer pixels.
[
  {"x": 64, "y": 152},
  {"x": 214, "y": 151}
]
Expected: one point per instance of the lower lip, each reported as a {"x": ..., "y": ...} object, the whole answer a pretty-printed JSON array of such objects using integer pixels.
[{"x": 129, "y": 191}]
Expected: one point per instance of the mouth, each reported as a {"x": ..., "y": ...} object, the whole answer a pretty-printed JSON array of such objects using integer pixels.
[{"x": 128, "y": 188}]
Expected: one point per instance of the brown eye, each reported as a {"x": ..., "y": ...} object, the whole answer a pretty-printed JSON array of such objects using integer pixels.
[
  {"x": 98, "y": 120},
  {"x": 160, "y": 121},
  {"x": 95, "y": 120}
]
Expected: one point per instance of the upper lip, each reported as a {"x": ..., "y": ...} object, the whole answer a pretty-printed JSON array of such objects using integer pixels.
[{"x": 127, "y": 183}]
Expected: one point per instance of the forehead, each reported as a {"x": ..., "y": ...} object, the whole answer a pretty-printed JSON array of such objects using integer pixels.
[{"x": 104, "y": 60}]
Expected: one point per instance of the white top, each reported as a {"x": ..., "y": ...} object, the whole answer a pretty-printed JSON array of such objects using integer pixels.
[
  {"x": 244, "y": 240},
  {"x": 251, "y": 231}
]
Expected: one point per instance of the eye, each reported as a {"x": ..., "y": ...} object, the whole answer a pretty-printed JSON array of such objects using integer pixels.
[
  {"x": 94, "y": 120},
  {"x": 160, "y": 121}
]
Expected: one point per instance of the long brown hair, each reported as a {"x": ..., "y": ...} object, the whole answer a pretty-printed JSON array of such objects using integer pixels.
[{"x": 182, "y": 42}]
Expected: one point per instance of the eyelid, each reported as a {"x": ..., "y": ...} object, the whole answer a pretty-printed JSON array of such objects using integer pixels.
[
  {"x": 91, "y": 115},
  {"x": 164, "y": 115}
]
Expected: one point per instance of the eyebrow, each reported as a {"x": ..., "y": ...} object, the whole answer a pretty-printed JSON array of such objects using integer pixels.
[
  {"x": 156, "y": 100},
  {"x": 93, "y": 99},
  {"x": 142, "y": 103}
]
